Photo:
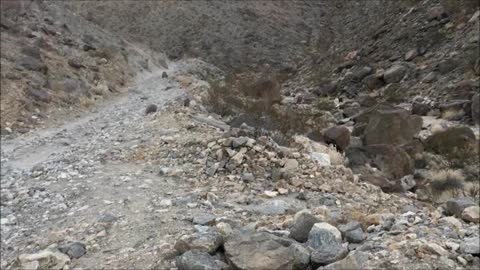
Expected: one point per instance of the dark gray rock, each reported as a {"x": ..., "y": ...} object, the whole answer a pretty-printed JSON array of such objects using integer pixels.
[
  {"x": 164, "y": 75},
  {"x": 238, "y": 142},
  {"x": 421, "y": 109},
  {"x": 395, "y": 74},
  {"x": 151, "y": 109},
  {"x": 302, "y": 224},
  {"x": 106, "y": 218},
  {"x": 208, "y": 241},
  {"x": 456, "y": 206},
  {"x": 195, "y": 260},
  {"x": 352, "y": 232},
  {"x": 325, "y": 241},
  {"x": 74, "y": 250}
]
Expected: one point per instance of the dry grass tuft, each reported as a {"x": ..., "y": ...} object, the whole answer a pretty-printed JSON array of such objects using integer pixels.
[{"x": 449, "y": 182}]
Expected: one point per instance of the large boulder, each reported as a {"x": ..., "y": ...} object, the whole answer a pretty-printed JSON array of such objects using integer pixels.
[
  {"x": 303, "y": 222},
  {"x": 450, "y": 142},
  {"x": 392, "y": 127},
  {"x": 392, "y": 161},
  {"x": 339, "y": 136},
  {"x": 263, "y": 250},
  {"x": 325, "y": 241}
]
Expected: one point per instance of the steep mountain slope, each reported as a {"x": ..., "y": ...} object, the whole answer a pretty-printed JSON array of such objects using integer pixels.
[
  {"x": 52, "y": 59},
  {"x": 320, "y": 40}
]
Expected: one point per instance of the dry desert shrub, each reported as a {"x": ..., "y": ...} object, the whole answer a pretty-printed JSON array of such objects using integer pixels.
[
  {"x": 336, "y": 158},
  {"x": 446, "y": 182},
  {"x": 452, "y": 114}
]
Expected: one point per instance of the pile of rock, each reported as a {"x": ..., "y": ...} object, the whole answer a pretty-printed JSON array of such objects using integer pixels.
[
  {"x": 309, "y": 243},
  {"x": 258, "y": 158}
]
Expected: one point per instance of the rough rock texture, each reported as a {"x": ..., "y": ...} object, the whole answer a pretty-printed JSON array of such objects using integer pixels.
[
  {"x": 303, "y": 222},
  {"x": 258, "y": 251},
  {"x": 339, "y": 136},
  {"x": 352, "y": 232},
  {"x": 392, "y": 161},
  {"x": 208, "y": 241},
  {"x": 325, "y": 242},
  {"x": 198, "y": 261},
  {"x": 392, "y": 127}
]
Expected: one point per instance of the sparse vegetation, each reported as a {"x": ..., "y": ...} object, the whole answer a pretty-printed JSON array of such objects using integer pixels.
[{"x": 446, "y": 181}]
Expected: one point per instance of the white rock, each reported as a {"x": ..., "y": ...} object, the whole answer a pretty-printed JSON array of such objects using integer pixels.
[
  {"x": 166, "y": 203},
  {"x": 270, "y": 194},
  {"x": 322, "y": 159}
]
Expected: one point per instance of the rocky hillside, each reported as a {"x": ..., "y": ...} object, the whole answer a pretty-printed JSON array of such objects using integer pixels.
[
  {"x": 52, "y": 59},
  {"x": 282, "y": 135}
]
